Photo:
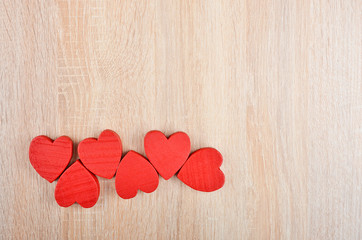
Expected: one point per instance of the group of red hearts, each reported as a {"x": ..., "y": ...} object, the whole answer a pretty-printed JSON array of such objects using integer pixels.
[{"x": 103, "y": 157}]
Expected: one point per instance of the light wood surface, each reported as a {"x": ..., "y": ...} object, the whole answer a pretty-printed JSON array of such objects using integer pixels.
[{"x": 275, "y": 86}]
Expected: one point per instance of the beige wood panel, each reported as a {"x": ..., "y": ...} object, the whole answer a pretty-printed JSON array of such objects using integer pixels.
[{"x": 274, "y": 85}]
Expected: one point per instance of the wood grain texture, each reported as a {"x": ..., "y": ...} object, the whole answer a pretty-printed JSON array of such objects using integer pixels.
[{"x": 275, "y": 86}]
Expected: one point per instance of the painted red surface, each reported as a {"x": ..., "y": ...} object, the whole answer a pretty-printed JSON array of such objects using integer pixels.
[
  {"x": 77, "y": 184},
  {"x": 49, "y": 158},
  {"x": 202, "y": 170},
  {"x": 167, "y": 155},
  {"x": 135, "y": 173},
  {"x": 101, "y": 156}
]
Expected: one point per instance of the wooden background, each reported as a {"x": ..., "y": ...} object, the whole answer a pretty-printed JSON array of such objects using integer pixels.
[{"x": 274, "y": 85}]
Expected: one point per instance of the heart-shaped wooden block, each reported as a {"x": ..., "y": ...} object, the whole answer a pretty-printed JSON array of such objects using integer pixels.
[
  {"x": 135, "y": 173},
  {"x": 167, "y": 155},
  {"x": 202, "y": 170},
  {"x": 77, "y": 184},
  {"x": 101, "y": 156},
  {"x": 49, "y": 158}
]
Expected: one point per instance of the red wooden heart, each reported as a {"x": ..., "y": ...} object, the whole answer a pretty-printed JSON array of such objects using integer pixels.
[
  {"x": 49, "y": 158},
  {"x": 167, "y": 155},
  {"x": 133, "y": 173},
  {"x": 79, "y": 185},
  {"x": 201, "y": 171},
  {"x": 101, "y": 156}
]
